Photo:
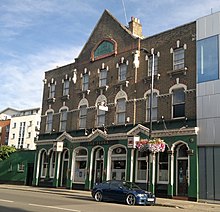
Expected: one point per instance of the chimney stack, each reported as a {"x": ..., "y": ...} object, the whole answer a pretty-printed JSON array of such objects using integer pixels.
[{"x": 135, "y": 27}]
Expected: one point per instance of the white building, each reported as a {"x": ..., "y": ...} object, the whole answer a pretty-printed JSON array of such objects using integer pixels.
[
  {"x": 8, "y": 113},
  {"x": 24, "y": 128}
]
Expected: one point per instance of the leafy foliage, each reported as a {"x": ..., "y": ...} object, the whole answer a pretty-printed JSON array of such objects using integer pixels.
[{"x": 5, "y": 151}]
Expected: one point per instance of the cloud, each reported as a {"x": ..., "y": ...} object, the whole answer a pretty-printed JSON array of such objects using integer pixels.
[
  {"x": 21, "y": 78},
  {"x": 17, "y": 16},
  {"x": 158, "y": 15}
]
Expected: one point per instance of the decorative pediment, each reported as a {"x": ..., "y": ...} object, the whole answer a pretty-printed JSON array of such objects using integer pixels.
[
  {"x": 64, "y": 136},
  {"x": 138, "y": 129}
]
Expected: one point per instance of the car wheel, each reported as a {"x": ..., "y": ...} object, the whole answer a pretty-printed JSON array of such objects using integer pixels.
[
  {"x": 98, "y": 196},
  {"x": 130, "y": 199}
]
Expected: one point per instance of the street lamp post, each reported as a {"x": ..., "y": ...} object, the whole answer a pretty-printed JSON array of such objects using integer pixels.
[
  {"x": 151, "y": 110},
  {"x": 151, "y": 94}
]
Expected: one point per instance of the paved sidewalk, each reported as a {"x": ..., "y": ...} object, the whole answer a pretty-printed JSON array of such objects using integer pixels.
[{"x": 181, "y": 204}]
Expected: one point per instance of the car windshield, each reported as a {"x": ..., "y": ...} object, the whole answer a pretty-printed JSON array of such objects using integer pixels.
[{"x": 130, "y": 185}]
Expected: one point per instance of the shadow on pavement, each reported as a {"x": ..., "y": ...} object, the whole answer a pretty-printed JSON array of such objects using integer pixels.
[{"x": 9, "y": 209}]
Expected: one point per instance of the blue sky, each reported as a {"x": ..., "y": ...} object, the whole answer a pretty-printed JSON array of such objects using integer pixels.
[{"x": 39, "y": 35}]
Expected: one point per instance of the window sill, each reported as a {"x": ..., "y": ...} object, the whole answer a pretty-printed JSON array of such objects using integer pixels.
[
  {"x": 149, "y": 78},
  {"x": 121, "y": 83},
  {"x": 51, "y": 100},
  {"x": 65, "y": 97},
  {"x": 85, "y": 92},
  {"x": 179, "y": 71}
]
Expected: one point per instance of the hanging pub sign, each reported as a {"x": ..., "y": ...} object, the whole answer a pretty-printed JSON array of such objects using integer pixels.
[
  {"x": 58, "y": 146},
  {"x": 132, "y": 140}
]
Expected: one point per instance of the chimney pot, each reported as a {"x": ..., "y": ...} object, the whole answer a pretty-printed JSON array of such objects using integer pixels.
[{"x": 135, "y": 27}]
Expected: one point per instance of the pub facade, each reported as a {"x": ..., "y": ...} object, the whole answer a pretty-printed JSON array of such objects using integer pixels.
[{"x": 123, "y": 92}]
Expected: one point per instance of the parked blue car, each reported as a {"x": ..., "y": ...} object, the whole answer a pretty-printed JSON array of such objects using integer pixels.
[{"x": 122, "y": 191}]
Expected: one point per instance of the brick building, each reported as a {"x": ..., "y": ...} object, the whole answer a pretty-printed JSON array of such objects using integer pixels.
[
  {"x": 94, "y": 107},
  {"x": 4, "y": 131}
]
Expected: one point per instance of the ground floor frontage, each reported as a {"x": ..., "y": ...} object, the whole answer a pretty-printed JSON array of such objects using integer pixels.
[
  {"x": 79, "y": 162},
  {"x": 209, "y": 173}
]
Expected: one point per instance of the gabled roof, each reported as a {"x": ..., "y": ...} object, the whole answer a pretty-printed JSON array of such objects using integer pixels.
[
  {"x": 9, "y": 111},
  {"x": 106, "y": 14}
]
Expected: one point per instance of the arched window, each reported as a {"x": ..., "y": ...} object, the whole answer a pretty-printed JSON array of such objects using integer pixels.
[
  {"x": 101, "y": 104},
  {"x": 63, "y": 118},
  {"x": 52, "y": 163},
  {"x": 121, "y": 111},
  {"x": 163, "y": 169},
  {"x": 118, "y": 163},
  {"x": 80, "y": 169},
  {"x": 44, "y": 164},
  {"x": 154, "y": 105},
  {"x": 141, "y": 167},
  {"x": 120, "y": 101},
  {"x": 178, "y": 103},
  {"x": 83, "y": 113},
  {"x": 49, "y": 120}
]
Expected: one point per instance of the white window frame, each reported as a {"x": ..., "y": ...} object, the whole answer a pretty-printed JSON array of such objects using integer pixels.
[
  {"x": 154, "y": 106},
  {"x": 158, "y": 169},
  {"x": 150, "y": 63},
  {"x": 116, "y": 157},
  {"x": 52, "y": 164},
  {"x": 178, "y": 59},
  {"x": 21, "y": 167},
  {"x": 179, "y": 103},
  {"x": 121, "y": 110},
  {"x": 100, "y": 118},
  {"x": 63, "y": 119},
  {"x": 49, "y": 121},
  {"x": 82, "y": 116},
  {"x": 66, "y": 87},
  {"x": 103, "y": 77},
  {"x": 122, "y": 72},
  {"x": 79, "y": 158},
  {"x": 144, "y": 158},
  {"x": 44, "y": 165},
  {"x": 85, "y": 82},
  {"x": 52, "y": 91}
]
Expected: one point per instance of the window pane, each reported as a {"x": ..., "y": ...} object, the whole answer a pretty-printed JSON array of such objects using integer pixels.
[
  {"x": 163, "y": 166},
  {"x": 141, "y": 170},
  {"x": 52, "y": 91},
  {"x": 121, "y": 105},
  {"x": 122, "y": 72},
  {"x": 179, "y": 110},
  {"x": 85, "y": 82},
  {"x": 49, "y": 122},
  {"x": 66, "y": 87},
  {"x": 102, "y": 77},
  {"x": 178, "y": 61},
  {"x": 100, "y": 117},
  {"x": 208, "y": 59},
  {"x": 63, "y": 120},
  {"x": 121, "y": 118},
  {"x": 83, "y": 114},
  {"x": 154, "y": 107},
  {"x": 178, "y": 96}
]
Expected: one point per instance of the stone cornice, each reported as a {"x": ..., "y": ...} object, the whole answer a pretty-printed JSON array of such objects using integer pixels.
[{"x": 121, "y": 136}]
